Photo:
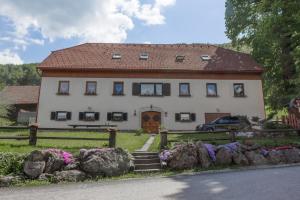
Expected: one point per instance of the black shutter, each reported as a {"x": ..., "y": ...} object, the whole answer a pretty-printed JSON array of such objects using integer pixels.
[
  {"x": 109, "y": 116},
  {"x": 53, "y": 116},
  {"x": 81, "y": 116},
  {"x": 193, "y": 117},
  {"x": 167, "y": 89},
  {"x": 97, "y": 115},
  {"x": 177, "y": 117},
  {"x": 136, "y": 89},
  {"x": 69, "y": 115},
  {"x": 125, "y": 116}
]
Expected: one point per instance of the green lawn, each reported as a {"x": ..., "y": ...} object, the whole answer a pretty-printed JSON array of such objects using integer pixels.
[
  {"x": 128, "y": 141},
  {"x": 214, "y": 138}
]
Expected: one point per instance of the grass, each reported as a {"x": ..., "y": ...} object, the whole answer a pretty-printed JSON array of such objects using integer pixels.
[{"x": 128, "y": 141}]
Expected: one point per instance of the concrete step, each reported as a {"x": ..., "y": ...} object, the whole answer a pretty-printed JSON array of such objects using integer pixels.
[
  {"x": 144, "y": 153},
  {"x": 146, "y": 161},
  {"x": 146, "y": 157},
  {"x": 146, "y": 170},
  {"x": 148, "y": 166}
]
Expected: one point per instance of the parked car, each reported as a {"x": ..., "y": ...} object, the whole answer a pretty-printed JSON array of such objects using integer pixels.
[{"x": 225, "y": 123}]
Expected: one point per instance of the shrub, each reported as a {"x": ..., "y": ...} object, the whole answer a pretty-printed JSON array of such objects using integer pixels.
[
  {"x": 11, "y": 163},
  {"x": 139, "y": 132},
  {"x": 275, "y": 125}
]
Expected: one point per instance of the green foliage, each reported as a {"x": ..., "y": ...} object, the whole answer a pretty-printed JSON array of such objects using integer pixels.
[
  {"x": 275, "y": 125},
  {"x": 139, "y": 132},
  {"x": 271, "y": 28},
  {"x": 25, "y": 74},
  {"x": 11, "y": 163}
]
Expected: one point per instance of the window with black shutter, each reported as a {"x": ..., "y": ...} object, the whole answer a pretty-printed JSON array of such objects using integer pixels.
[
  {"x": 117, "y": 116},
  {"x": 185, "y": 117},
  {"x": 89, "y": 116},
  {"x": 136, "y": 89},
  {"x": 167, "y": 89},
  {"x": 61, "y": 115}
]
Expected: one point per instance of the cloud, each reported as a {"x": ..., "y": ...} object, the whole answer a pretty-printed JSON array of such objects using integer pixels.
[
  {"x": 8, "y": 57},
  {"x": 88, "y": 20}
]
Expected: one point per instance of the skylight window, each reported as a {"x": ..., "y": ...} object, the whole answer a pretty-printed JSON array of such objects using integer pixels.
[
  {"x": 116, "y": 56},
  {"x": 179, "y": 58},
  {"x": 144, "y": 56},
  {"x": 206, "y": 57}
]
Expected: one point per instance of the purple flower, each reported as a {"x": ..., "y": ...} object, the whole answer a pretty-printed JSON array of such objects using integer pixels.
[{"x": 164, "y": 155}]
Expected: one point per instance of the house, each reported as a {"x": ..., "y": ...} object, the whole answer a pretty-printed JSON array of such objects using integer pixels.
[
  {"x": 134, "y": 86},
  {"x": 24, "y": 100}
]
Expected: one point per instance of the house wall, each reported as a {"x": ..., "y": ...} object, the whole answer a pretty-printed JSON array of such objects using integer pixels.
[{"x": 199, "y": 103}]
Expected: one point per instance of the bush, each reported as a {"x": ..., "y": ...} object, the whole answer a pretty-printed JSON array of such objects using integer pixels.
[
  {"x": 275, "y": 125},
  {"x": 139, "y": 132},
  {"x": 11, "y": 163}
]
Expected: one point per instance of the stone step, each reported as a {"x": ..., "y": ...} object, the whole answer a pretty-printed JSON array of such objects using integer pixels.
[
  {"x": 148, "y": 166},
  {"x": 144, "y": 153},
  {"x": 146, "y": 170},
  {"x": 146, "y": 157},
  {"x": 146, "y": 161}
]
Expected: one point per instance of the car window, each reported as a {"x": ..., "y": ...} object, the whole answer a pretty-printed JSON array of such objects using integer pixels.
[
  {"x": 234, "y": 120},
  {"x": 224, "y": 120}
]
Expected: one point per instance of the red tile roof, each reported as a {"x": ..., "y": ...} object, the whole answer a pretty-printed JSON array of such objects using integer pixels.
[
  {"x": 98, "y": 56},
  {"x": 20, "y": 94}
]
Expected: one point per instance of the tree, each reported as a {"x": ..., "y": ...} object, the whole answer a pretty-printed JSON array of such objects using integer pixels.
[{"x": 272, "y": 29}]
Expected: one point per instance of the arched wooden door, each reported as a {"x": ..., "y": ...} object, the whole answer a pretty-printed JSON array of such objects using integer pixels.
[{"x": 151, "y": 121}]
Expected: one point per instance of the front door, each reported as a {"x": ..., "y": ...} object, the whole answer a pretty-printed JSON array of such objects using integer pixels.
[{"x": 151, "y": 121}]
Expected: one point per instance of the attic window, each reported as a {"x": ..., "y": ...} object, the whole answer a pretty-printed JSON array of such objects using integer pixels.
[
  {"x": 206, "y": 57},
  {"x": 144, "y": 56},
  {"x": 179, "y": 58},
  {"x": 116, "y": 56}
]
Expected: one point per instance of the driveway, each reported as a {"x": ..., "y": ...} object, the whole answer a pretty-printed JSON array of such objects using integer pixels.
[{"x": 263, "y": 184}]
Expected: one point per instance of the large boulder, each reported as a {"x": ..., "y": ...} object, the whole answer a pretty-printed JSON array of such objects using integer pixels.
[
  {"x": 203, "y": 156},
  {"x": 54, "y": 163},
  {"x": 239, "y": 158},
  {"x": 106, "y": 161},
  {"x": 6, "y": 181},
  {"x": 34, "y": 164},
  {"x": 183, "y": 156},
  {"x": 255, "y": 158},
  {"x": 274, "y": 157},
  {"x": 224, "y": 156},
  {"x": 70, "y": 176}
]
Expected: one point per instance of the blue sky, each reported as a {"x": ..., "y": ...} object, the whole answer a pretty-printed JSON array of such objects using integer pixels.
[{"x": 31, "y": 29}]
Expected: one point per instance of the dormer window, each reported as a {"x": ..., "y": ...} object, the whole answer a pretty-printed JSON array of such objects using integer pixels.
[
  {"x": 116, "y": 56},
  {"x": 144, "y": 56},
  {"x": 205, "y": 57},
  {"x": 179, "y": 58}
]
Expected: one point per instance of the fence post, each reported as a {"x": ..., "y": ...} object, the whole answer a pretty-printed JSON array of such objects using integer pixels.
[
  {"x": 33, "y": 128},
  {"x": 163, "y": 139},
  {"x": 232, "y": 136},
  {"x": 112, "y": 137}
]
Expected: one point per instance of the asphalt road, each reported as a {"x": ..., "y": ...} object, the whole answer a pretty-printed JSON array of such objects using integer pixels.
[{"x": 264, "y": 184}]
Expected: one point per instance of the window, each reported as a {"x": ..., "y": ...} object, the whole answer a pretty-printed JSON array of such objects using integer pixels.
[
  {"x": 239, "y": 90},
  {"x": 206, "y": 57},
  {"x": 184, "y": 89},
  {"x": 179, "y": 58},
  {"x": 60, "y": 115},
  {"x": 88, "y": 116},
  {"x": 116, "y": 116},
  {"x": 211, "y": 90},
  {"x": 116, "y": 56},
  {"x": 91, "y": 88},
  {"x": 185, "y": 117},
  {"x": 144, "y": 56},
  {"x": 118, "y": 88},
  {"x": 151, "y": 89},
  {"x": 63, "y": 87}
]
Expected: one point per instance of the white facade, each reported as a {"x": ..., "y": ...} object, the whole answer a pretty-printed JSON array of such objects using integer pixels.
[{"x": 104, "y": 101}]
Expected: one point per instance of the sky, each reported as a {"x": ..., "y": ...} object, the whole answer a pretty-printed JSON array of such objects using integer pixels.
[{"x": 31, "y": 29}]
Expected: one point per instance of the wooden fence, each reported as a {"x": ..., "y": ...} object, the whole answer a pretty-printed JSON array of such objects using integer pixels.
[
  {"x": 33, "y": 134},
  {"x": 231, "y": 136}
]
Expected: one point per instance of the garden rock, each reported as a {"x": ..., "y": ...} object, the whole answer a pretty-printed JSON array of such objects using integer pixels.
[
  {"x": 70, "y": 176},
  {"x": 183, "y": 156},
  {"x": 45, "y": 177},
  {"x": 239, "y": 158},
  {"x": 36, "y": 155},
  {"x": 71, "y": 166},
  {"x": 255, "y": 158},
  {"x": 34, "y": 169},
  {"x": 203, "y": 156},
  {"x": 223, "y": 156},
  {"x": 53, "y": 164},
  {"x": 274, "y": 157},
  {"x": 6, "y": 181},
  {"x": 291, "y": 155},
  {"x": 106, "y": 161}
]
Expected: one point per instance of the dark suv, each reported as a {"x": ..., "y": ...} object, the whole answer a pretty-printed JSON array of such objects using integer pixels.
[{"x": 225, "y": 123}]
